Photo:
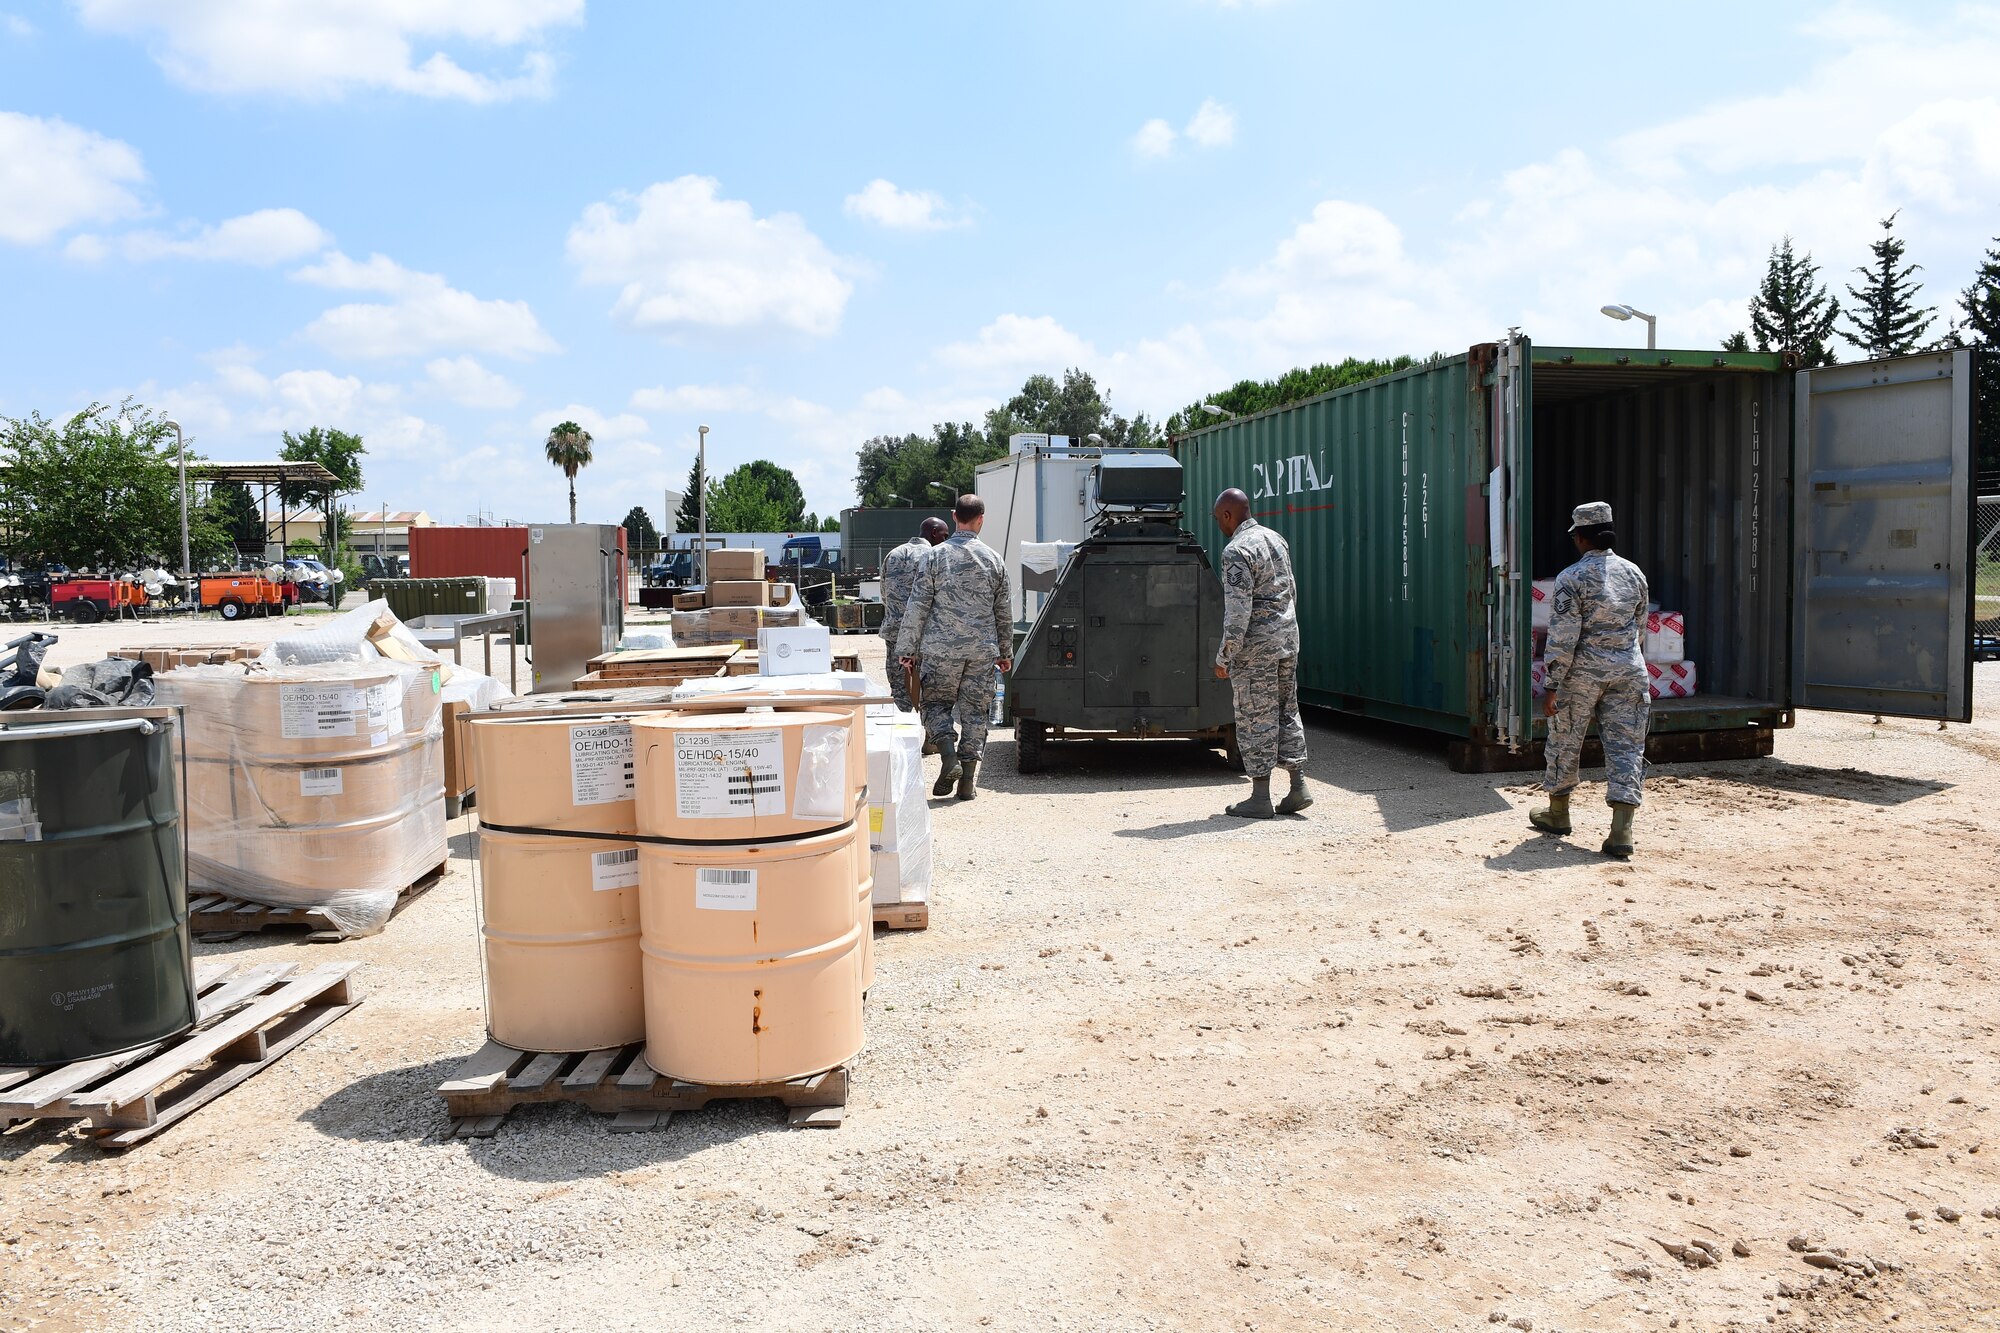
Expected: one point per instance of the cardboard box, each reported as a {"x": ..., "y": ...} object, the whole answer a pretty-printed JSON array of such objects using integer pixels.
[
  {"x": 1671, "y": 680},
  {"x": 690, "y": 601},
  {"x": 736, "y": 563},
  {"x": 458, "y": 778},
  {"x": 1666, "y": 637},
  {"x": 805, "y": 651},
  {"x": 738, "y": 592}
]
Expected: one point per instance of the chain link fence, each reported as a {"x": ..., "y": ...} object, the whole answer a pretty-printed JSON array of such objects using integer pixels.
[{"x": 1986, "y": 569}]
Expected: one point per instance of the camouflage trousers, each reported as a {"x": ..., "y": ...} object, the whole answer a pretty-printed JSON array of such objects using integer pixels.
[
  {"x": 899, "y": 680},
  {"x": 961, "y": 688},
  {"x": 1269, "y": 731},
  {"x": 1623, "y": 710}
]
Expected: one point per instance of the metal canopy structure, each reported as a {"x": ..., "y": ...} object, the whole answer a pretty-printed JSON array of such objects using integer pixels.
[{"x": 266, "y": 483}]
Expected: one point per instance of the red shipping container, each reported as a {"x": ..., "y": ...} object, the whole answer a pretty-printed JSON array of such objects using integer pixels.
[{"x": 495, "y": 553}]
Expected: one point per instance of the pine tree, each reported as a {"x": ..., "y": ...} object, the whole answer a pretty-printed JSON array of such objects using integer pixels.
[
  {"x": 1737, "y": 341},
  {"x": 1885, "y": 319},
  {"x": 1792, "y": 311},
  {"x": 1981, "y": 304},
  {"x": 688, "y": 517}
]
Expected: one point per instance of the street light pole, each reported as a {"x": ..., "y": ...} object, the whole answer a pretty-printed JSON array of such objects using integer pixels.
[
  {"x": 953, "y": 489},
  {"x": 1624, "y": 312},
  {"x": 701, "y": 473},
  {"x": 187, "y": 561}
]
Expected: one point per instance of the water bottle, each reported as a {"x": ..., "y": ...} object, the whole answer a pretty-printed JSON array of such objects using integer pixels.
[{"x": 999, "y": 697}]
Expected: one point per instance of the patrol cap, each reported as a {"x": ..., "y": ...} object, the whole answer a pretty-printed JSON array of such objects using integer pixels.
[{"x": 1596, "y": 514}]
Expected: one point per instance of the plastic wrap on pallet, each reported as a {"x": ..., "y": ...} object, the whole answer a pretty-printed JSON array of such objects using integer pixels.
[
  {"x": 826, "y": 682},
  {"x": 348, "y": 637},
  {"x": 313, "y": 786},
  {"x": 899, "y": 813}
]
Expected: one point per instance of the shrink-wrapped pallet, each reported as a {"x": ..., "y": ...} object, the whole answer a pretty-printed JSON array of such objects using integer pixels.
[
  {"x": 899, "y": 813},
  {"x": 313, "y": 786}
]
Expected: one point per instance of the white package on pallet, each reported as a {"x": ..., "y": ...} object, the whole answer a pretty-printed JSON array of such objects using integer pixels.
[
  {"x": 825, "y": 682},
  {"x": 1666, "y": 637},
  {"x": 899, "y": 812},
  {"x": 1671, "y": 680}
]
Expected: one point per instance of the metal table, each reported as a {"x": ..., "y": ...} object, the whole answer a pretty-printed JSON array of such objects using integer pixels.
[{"x": 440, "y": 632}]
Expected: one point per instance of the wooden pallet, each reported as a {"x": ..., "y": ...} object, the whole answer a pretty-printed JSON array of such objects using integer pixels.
[
  {"x": 247, "y": 1020},
  {"x": 616, "y": 1082},
  {"x": 903, "y": 916},
  {"x": 216, "y": 918}
]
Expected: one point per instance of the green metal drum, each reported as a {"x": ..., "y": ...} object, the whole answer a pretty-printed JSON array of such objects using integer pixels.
[{"x": 94, "y": 953}]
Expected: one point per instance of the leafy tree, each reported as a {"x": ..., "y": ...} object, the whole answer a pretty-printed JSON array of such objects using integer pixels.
[
  {"x": 759, "y": 496},
  {"x": 640, "y": 534},
  {"x": 1885, "y": 319},
  {"x": 1074, "y": 408},
  {"x": 568, "y": 448},
  {"x": 1248, "y": 396},
  {"x": 91, "y": 494},
  {"x": 339, "y": 452},
  {"x": 1792, "y": 311},
  {"x": 1736, "y": 342},
  {"x": 688, "y": 517},
  {"x": 831, "y": 523},
  {"x": 1980, "y": 303},
  {"x": 235, "y": 514}
]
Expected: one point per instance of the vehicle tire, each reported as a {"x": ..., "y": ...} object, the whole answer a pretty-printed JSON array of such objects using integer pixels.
[
  {"x": 1029, "y": 738},
  {"x": 86, "y": 612},
  {"x": 1232, "y": 754},
  {"x": 231, "y": 609}
]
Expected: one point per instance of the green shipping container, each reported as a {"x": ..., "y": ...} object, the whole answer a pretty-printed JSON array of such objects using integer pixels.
[{"x": 1814, "y": 528}]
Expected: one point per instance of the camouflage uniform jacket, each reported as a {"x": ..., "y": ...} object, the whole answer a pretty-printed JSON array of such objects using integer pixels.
[
  {"x": 959, "y": 607},
  {"x": 1259, "y": 598},
  {"x": 899, "y": 579},
  {"x": 1597, "y": 620}
]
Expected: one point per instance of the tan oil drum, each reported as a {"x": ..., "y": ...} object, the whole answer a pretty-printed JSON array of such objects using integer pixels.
[
  {"x": 560, "y": 920},
  {"x": 739, "y": 777},
  {"x": 857, "y": 736},
  {"x": 570, "y": 773},
  {"x": 864, "y": 904},
  {"x": 752, "y": 958}
]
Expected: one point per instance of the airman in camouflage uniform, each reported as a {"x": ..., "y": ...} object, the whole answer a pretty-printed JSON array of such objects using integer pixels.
[
  {"x": 1596, "y": 670},
  {"x": 960, "y": 626},
  {"x": 1259, "y": 656},
  {"x": 900, "y": 569}
]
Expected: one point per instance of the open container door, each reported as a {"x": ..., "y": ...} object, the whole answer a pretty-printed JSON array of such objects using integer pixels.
[
  {"x": 1510, "y": 488},
  {"x": 1882, "y": 526}
]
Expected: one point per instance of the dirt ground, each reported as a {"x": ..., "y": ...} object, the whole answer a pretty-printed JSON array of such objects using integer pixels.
[{"x": 1399, "y": 1064}]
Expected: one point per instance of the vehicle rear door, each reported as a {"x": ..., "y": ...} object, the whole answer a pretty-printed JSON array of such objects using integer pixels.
[{"x": 1882, "y": 528}]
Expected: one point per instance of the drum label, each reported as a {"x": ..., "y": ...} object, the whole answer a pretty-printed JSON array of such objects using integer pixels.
[
  {"x": 600, "y": 763},
  {"x": 617, "y": 869},
  {"x": 726, "y": 890},
  {"x": 729, "y": 774},
  {"x": 319, "y": 782},
  {"x": 313, "y": 709}
]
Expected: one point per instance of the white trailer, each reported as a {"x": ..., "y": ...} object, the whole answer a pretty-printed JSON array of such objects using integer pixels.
[{"x": 1040, "y": 492}]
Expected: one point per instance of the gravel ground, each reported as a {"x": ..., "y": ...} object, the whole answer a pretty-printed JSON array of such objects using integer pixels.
[{"x": 1399, "y": 1064}]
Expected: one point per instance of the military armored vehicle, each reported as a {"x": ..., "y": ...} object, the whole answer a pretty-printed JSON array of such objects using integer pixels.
[{"x": 1125, "y": 642}]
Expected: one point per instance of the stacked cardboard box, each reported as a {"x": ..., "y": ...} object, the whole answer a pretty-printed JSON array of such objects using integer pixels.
[
  {"x": 736, "y": 625},
  {"x": 172, "y": 659}
]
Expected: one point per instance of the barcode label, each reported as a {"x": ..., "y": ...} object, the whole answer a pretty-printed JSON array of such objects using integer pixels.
[
  {"x": 729, "y": 774},
  {"x": 319, "y": 782},
  {"x": 310, "y": 710},
  {"x": 726, "y": 890},
  {"x": 600, "y": 763},
  {"x": 617, "y": 869}
]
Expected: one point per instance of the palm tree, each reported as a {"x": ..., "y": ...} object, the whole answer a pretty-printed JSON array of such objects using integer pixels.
[{"x": 569, "y": 449}]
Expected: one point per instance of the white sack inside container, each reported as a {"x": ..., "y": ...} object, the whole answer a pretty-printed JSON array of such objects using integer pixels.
[
  {"x": 1666, "y": 637},
  {"x": 1541, "y": 597},
  {"x": 1671, "y": 680},
  {"x": 313, "y": 786}
]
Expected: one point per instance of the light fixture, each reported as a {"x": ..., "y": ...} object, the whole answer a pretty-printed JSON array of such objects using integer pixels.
[
  {"x": 1625, "y": 312},
  {"x": 1093, "y": 438},
  {"x": 1215, "y": 411}
]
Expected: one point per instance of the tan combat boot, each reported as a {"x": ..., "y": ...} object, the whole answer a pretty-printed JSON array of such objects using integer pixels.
[
  {"x": 1553, "y": 817},
  {"x": 1620, "y": 843}
]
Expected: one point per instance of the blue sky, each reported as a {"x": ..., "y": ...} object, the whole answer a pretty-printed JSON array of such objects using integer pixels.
[{"x": 448, "y": 225}]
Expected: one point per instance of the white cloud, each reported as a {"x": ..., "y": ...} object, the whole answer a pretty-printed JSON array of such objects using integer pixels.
[
  {"x": 1213, "y": 125},
  {"x": 1154, "y": 139},
  {"x": 695, "y": 398},
  {"x": 625, "y": 428},
  {"x": 268, "y": 236},
  {"x": 426, "y": 315},
  {"x": 240, "y": 410},
  {"x": 683, "y": 257},
  {"x": 1017, "y": 342},
  {"x": 466, "y": 382},
  {"x": 17, "y": 26},
  {"x": 882, "y": 203},
  {"x": 322, "y": 48},
  {"x": 54, "y": 175}
]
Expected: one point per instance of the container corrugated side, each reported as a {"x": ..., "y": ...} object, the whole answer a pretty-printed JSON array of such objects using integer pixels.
[
  {"x": 1377, "y": 488},
  {"x": 495, "y": 553}
]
